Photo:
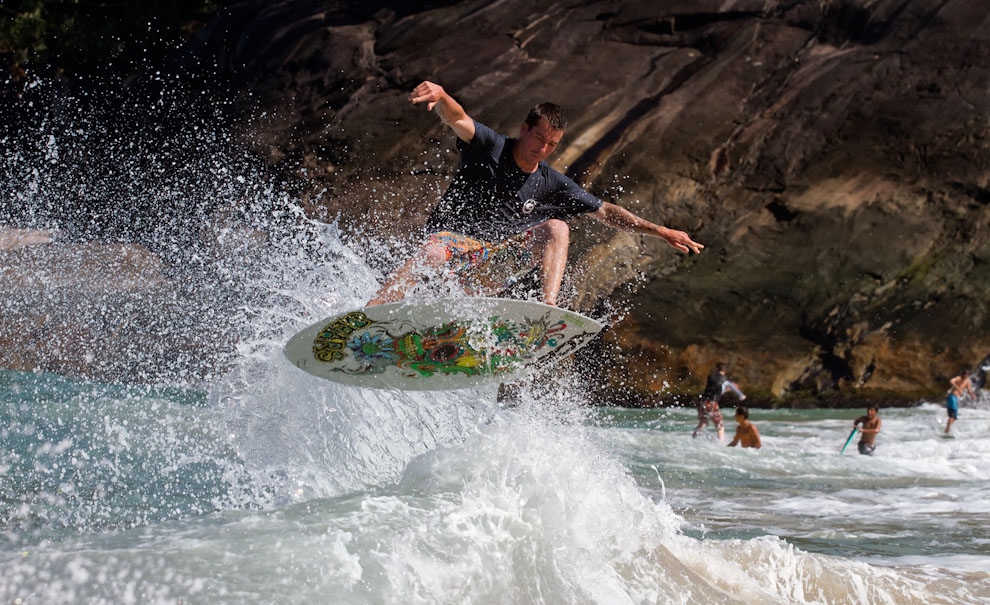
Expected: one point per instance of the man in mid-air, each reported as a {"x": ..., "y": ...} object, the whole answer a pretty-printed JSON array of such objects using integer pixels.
[{"x": 505, "y": 210}]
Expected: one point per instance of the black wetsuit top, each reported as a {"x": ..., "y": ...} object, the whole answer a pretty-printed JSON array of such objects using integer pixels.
[
  {"x": 491, "y": 198},
  {"x": 713, "y": 388}
]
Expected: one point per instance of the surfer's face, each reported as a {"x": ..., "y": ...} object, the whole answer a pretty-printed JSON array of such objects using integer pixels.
[{"x": 536, "y": 143}]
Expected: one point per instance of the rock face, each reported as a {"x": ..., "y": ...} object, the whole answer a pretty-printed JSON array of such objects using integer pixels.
[{"x": 832, "y": 156}]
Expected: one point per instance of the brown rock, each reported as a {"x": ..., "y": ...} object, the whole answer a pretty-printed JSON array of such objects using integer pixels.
[{"x": 833, "y": 157}]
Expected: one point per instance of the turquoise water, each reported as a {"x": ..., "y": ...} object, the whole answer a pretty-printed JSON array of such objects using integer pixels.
[
  {"x": 236, "y": 478},
  {"x": 921, "y": 497},
  {"x": 135, "y": 494}
]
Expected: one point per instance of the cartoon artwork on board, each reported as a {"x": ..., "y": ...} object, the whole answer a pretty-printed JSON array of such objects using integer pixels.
[{"x": 356, "y": 344}]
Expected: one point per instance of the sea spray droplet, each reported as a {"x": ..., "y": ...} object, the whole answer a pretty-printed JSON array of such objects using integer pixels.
[{"x": 52, "y": 150}]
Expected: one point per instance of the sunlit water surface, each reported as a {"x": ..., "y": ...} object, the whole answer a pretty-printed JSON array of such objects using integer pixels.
[{"x": 252, "y": 482}]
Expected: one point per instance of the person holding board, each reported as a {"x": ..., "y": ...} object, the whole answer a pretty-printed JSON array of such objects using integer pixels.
[
  {"x": 708, "y": 408},
  {"x": 505, "y": 210},
  {"x": 959, "y": 385},
  {"x": 869, "y": 427}
]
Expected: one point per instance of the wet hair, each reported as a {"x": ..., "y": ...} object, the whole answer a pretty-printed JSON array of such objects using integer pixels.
[
  {"x": 552, "y": 112},
  {"x": 720, "y": 366},
  {"x": 873, "y": 407},
  {"x": 743, "y": 411}
]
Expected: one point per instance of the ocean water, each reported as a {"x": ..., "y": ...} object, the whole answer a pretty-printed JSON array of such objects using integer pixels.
[
  {"x": 254, "y": 482},
  {"x": 295, "y": 490}
]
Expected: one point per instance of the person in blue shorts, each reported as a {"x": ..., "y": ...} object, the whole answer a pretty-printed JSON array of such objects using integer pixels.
[
  {"x": 960, "y": 385},
  {"x": 506, "y": 206}
]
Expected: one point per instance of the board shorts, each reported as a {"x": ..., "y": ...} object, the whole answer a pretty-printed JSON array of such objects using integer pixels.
[
  {"x": 952, "y": 406},
  {"x": 867, "y": 449},
  {"x": 485, "y": 267},
  {"x": 708, "y": 408}
]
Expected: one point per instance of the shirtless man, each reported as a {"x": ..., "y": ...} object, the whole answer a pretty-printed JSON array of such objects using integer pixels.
[
  {"x": 960, "y": 384},
  {"x": 746, "y": 433},
  {"x": 506, "y": 210},
  {"x": 868, "y": 431}
]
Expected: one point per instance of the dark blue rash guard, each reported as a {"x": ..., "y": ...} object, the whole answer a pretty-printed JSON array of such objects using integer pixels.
[
  {"x": 491, "y": 199},
  {"x": 713, "y": 386}
]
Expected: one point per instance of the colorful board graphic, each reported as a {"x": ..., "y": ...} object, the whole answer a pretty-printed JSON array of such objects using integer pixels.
[{"x": 439, "y": 344}]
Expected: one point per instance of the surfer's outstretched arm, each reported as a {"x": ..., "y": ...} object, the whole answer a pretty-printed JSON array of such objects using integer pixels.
[
  {"x": 624, "y": 220},
  {"x": 449, "y": 110}
]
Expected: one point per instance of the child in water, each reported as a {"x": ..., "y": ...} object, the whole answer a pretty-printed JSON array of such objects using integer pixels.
[
  {"x": 868, "y": 431},
  {"x": 746, "y": 433}
]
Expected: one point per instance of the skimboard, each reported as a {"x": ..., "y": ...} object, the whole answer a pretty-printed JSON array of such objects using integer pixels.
[
  {"x": 439, "y": 344},
  {"x": 848, "y": 441}
]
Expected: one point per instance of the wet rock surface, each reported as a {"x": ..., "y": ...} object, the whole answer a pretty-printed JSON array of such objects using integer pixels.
[{"x": 833, "y": 157}]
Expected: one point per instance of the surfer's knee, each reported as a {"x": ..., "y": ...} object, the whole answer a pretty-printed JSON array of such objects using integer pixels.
[
  {"x": 433, "y": 255},
  {"x": 553, "y": 232},
  {"x": 557, "y": 231}
]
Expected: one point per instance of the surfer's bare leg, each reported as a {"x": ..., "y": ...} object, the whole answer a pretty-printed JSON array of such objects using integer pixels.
[
  {"x": 550, "y": 245},
  {"x": 429, "y": 258}
]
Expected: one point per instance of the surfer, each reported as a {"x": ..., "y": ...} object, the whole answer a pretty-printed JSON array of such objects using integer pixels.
[
  {"x": 868, "y": 431},
  {"x": 746, "y": 433},
  {"x": 960, "y": 384},
  {"x": 716, "y": 385},
  {"x": 505, "y": 210}
]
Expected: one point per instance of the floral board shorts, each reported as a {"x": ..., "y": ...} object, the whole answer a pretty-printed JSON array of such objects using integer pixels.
[
  {"x": 709, "y": 409},
  {"x": 483, "y": 267}
]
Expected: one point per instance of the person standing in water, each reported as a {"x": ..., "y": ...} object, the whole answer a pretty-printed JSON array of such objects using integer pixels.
[
  {"x": 716, "y": 385},
  {"x": 960, "y": 385},
  {"x": 980, "y": 380},
  {"x": 746, "y": 433},
  {"x": 505, "y": 210},
  {"x": 868, "y": 431}
]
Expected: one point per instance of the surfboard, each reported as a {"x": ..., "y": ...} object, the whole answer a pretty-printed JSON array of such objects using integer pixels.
[
  {"x": 439, "y": 344},
  {"x": 852, "y": 434}
]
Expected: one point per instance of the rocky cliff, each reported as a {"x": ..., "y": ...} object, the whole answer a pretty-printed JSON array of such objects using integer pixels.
[{"x": 832, "y": 156}]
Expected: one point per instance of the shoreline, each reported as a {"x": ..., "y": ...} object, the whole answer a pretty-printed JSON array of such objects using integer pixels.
[{"x": 757, "y": 401}]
